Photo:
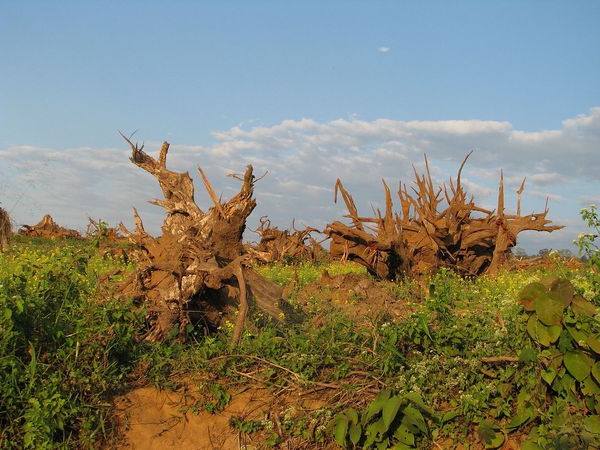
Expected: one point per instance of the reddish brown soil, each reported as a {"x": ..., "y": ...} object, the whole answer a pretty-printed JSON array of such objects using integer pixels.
[{"x": 152, "y": 419}]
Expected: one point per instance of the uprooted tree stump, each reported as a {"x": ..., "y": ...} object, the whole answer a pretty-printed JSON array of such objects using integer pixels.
[
  {"x": 5, "y": 229},
  {"x": 436, "y": 227},
  {"x": 197, "y": 267},
  {"x": 48, "y": 228},
  {"x": 280, "y": 245}
]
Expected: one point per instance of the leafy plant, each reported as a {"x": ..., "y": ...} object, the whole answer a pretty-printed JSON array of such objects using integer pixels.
[
  {"x": 588, "y": 243},
  {"x": 390, "y": 421},
  {"x": 565, "y": 325}
]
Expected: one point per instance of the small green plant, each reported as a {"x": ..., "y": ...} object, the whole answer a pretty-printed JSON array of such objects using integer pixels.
[
  {"x": 245, "y": 426},
  {"x": 390, "y": 421},
  {"x": 588, "y": 243}
]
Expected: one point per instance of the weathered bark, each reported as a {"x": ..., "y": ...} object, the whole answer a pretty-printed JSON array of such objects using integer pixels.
[
  {"x": 5, "y": 229},
  {"x": 48, "y": 228},
  {"x": 279, "y": 245},
  {"x": 196, "y": 268},
  {"x": 434, "y": 228}
]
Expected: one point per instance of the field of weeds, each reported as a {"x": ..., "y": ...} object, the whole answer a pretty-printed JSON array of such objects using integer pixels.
[{"x": 503, "y": 362}]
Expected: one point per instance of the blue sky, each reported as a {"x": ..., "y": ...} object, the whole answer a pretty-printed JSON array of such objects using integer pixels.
[{"x": 288, "y": 85}]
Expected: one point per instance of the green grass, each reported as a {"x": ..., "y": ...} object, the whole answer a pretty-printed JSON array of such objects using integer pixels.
[{"x": 68, "y": 346}]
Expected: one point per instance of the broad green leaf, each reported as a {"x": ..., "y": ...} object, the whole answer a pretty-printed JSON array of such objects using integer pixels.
[
  {"x": 414, "y": 420},
  {"x": 390, "y": 409},
  {"x": 594, "y": 344},
  {"x": 383, "y": 445},
  {"x": 355, "y": 433},
  {"x": 592, "y": 424},
  {"x": 578, "y": 364},
  {"x": 582, "y": 307},
  {"x": 416, "y": 399},
  {"x": 528, "y": 354},
  {"x": 548, "y": 375},
  {"x": 590, "y": 387},
  {"x": 373, "y": 432},
  {"x": 596, "y": 371},
  {"x": 563, "y": 290},
  {"x": 554, "y": 333},
  {"x": 340, "y": 429},
  {"x": 532, "y": 327},
  {"x": 540, "y": 332},
  {"x": 530, "y": 445},
  {"x": 531, "y": 292},
  {"x": 579, "y": 336},
  {"x": 549, "y": 310},
  {"x": 404, "y": 435},
  {"x": 489, "y": 436},
  {"x": 449, "y": 415},
  {"x": 352, "y": 415},
  {"x": 520, "y": 419},
  {"x": 376, "y": 405}
]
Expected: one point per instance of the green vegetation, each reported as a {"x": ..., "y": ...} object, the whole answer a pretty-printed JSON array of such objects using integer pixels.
[
  {"x": 64, "y": 346},
  {"x": 477, "y": 360}
]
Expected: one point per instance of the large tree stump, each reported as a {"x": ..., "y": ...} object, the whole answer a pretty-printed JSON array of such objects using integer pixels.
[
  {"x": 435, "y": 228},
  {"x": 197, "y": 267},
  {"x": 5, "y": 229},
  {"x": 48, "y": 228}
]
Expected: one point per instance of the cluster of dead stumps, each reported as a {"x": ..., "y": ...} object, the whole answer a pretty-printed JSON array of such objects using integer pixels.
[{"x": 199, "y": 266}]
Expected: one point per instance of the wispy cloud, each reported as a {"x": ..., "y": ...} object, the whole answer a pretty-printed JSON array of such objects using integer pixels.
[{"x": 384, "y": 49}]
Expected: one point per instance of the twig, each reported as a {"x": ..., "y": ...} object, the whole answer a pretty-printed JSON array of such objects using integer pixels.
[{"x": 500, "y": 359}]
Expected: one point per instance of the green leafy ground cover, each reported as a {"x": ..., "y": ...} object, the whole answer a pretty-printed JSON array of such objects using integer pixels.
[{"x": 479, "y": 361}]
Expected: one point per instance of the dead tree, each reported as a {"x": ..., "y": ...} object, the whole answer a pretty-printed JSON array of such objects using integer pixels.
[
  {"x": 5, "y": 229},
  {"x": 197, "y": 267},
  {"x": 279, "y": 245},
  {"x": 48, "y": 228},
  {"x": 436, "y": 227}
]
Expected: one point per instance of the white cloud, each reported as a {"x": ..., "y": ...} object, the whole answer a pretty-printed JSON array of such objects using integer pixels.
[
  {"x": 304, "y": 157},
  {"x": 384, "y": 49}
]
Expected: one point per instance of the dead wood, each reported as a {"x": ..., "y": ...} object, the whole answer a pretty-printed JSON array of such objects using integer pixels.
[
  {"x": 280, "y": 245},
  {"x": 197, "y": 268},
  {"x": 104, "y": 234},
  {"x": 48, "y": 228},
  {"x": 435, "y": 227},
  {"x": 5, "y": 229}
]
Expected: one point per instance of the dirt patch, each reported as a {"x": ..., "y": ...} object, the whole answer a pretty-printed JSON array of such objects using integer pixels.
[
  {"x": 359, "y": 296},
  {"x": 150, "y": 418}
]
